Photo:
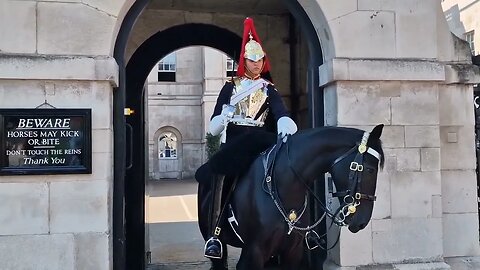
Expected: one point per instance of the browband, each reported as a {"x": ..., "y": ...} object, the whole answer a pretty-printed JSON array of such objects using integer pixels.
[{"x": 373, "y": 152}]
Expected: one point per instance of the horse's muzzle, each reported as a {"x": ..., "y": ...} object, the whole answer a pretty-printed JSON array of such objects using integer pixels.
[{"x": 354, "y": 228}]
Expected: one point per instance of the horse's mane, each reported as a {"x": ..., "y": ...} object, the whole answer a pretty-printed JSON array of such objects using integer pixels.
[
  {"x": 349, "y": 136},
  {"x": 237, "y": 156}
]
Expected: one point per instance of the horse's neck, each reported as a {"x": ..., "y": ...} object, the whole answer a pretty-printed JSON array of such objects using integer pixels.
[
  {"x": 306, "y": 157},
  {"x": 312, "y": 154}
]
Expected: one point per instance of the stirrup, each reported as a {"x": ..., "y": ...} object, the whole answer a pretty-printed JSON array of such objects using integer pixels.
[
  {"x": 312, "y": 241},
  {"x": 213, "y": 241}
]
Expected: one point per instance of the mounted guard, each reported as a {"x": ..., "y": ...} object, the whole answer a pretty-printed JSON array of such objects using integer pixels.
[
  {"x": 247, "y": 104},
  {"x": 267, "y": 208}
]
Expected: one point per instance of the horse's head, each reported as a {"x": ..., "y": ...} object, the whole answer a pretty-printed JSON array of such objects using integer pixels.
[{"x": 355, "y": 176}]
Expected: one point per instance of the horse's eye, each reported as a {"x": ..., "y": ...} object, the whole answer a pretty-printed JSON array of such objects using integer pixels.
[{"x": 370, "y": 170}]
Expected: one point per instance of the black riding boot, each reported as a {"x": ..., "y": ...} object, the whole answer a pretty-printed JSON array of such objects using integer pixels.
[{"x": 213, "y": 246}]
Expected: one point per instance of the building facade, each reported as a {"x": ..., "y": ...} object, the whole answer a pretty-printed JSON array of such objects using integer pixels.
[
  {"x": 179, "y": 109},
  {"x": 341, "y": 63},
  {"x": 462, "y": 21}
]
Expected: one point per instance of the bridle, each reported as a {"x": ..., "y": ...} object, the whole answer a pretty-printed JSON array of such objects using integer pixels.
[{"x": 351, "y": 197}]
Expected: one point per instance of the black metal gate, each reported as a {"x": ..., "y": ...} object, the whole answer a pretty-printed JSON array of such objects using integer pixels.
[{"x": 476, "y": 103}]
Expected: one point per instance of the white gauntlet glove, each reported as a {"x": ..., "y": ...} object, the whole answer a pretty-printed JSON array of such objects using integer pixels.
[
  {"x": 286, "y": 126},
  {"x": 219, "y": 122}
]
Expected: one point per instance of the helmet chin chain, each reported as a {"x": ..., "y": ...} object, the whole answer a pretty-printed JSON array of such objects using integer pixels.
[{"x": 254, "y": 77}]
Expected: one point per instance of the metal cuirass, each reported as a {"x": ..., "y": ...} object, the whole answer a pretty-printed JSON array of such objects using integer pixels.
[{"x": 250, "y": 106}]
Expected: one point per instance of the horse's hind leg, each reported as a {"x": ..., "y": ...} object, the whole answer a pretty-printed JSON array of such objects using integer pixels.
[
  {"x": 221, "y": 264},
  {"x": 251, "y": 258}
]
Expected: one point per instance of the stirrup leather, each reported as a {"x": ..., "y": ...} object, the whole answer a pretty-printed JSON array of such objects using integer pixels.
[{"x": 213, "y": 239}]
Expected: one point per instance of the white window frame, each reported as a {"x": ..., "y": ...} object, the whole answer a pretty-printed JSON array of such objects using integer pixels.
[
  {"x": 470, "y": 38},
  {"x": 230, "y": 65},
  {"x": 168, "y": 63},
  {"x": 233, "y": 65}
]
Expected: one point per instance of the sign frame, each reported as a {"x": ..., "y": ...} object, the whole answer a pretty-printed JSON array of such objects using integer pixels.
[{"x": 85, "y": 166}]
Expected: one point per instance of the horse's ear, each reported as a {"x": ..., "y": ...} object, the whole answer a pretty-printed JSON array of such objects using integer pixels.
[{"x": 377, "y": 131}]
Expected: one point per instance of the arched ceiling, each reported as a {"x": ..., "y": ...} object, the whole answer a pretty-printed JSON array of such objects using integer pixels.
[{"x": 267, "y": 7}]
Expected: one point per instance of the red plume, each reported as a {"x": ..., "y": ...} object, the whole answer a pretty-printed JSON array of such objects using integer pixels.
[{"x": 247, "y": 28}]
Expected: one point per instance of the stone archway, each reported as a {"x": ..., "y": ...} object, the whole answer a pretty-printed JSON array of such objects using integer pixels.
[
  {"x": 137, "y": 68},
  {"x": 391, "y": 62}
]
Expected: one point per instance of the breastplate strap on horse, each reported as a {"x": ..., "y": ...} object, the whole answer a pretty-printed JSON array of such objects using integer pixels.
[{"x": 292, "y": 218}]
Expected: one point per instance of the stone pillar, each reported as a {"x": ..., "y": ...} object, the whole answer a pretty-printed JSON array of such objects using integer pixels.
[
  {"x": 418, "y": 90},
  {"x": 407, "y": 223},
  {"x": 59, "y": 52},
  {"x": 60, "y": 221},
  {"x": 215, "y": 72},
  {"x": 458, "y": 162}
]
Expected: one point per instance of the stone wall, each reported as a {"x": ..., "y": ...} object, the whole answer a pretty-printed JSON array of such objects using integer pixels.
[
  {"x": 273, "y": 32},
  {"x": 428, "y": 186},
  {"x": 59, "y": 221},
  {"x": 46, "y": 54}
]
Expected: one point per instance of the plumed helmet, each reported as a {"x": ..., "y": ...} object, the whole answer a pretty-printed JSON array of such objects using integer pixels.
[{"x": 251, "y": 48}]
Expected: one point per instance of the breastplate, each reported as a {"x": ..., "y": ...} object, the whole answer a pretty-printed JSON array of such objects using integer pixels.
[{"x": 250, "y": 106}]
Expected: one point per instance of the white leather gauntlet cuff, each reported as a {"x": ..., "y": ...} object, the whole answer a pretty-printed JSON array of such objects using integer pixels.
[{"x": 217, "y": 125}]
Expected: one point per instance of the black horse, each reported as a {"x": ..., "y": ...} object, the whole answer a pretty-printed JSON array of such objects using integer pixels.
[{"x": 270, "y": 197}]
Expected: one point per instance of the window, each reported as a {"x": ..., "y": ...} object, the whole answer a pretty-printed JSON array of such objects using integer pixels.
[
  {"x": 167, "y": 68},
  {"x": 167, "y": 146},
  {"x": 231, "y": 67},
  {"x": 470, "y": 38}
]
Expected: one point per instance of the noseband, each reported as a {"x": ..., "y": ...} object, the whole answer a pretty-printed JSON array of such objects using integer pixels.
[{"x": 353, "y": 195}]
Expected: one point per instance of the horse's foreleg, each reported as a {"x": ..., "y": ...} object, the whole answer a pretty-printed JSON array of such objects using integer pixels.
[
  {"x": 251, "y": 258},
  {"x": 292, "y": 259},
  {"x": 221, "y": 264}
]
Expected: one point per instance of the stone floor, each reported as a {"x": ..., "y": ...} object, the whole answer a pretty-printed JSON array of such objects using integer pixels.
[
  {"x": 186, "y": 266},
  {"x": 173, "y": 237}
]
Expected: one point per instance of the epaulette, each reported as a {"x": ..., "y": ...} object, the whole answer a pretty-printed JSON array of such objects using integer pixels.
[
  {"x": 232, "y": 79},
  {"x": 269, "y": 82}
]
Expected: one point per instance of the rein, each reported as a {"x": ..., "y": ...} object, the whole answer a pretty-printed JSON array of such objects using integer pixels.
[{"x": 351, "y": 196}]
